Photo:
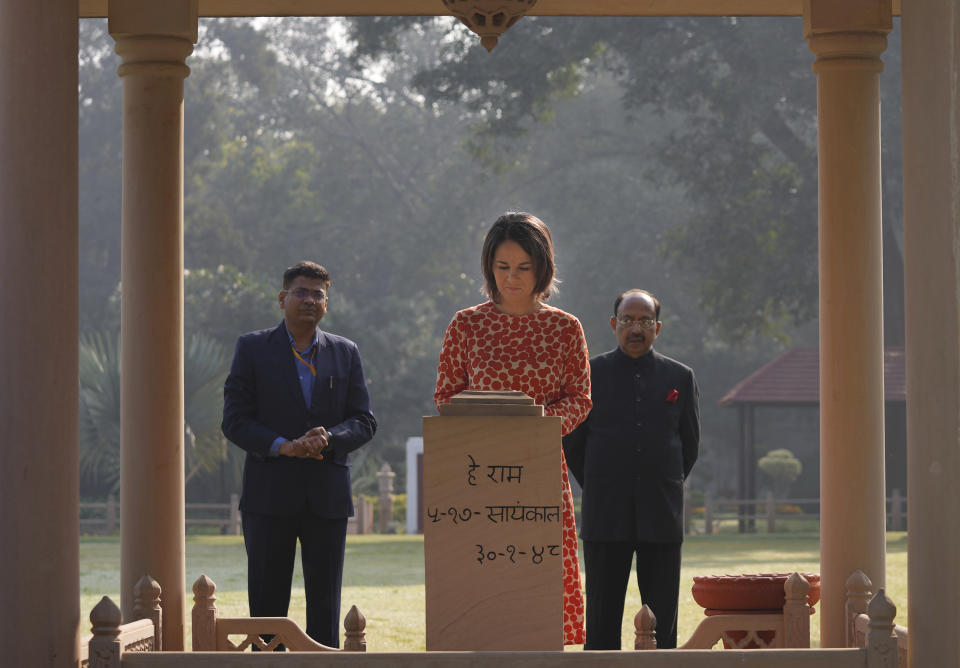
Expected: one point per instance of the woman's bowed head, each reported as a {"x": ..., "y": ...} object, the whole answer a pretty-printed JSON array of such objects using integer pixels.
[{"x": 517, "y": 261}]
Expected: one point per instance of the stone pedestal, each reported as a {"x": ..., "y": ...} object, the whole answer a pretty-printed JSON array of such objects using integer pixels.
[{"x": 493, "y": 525}]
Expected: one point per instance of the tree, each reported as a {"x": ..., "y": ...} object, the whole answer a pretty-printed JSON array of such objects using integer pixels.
[
  {"x": 99, "y": 173},
  {"x": 99, "y": 413},
  {"x": 737, "y": 105},
  {"x": 224, "y": 302},
  {"x": 631, "y": 138},
  {"x": 99, "y": 422},
  {"x": 354, "y": 172}
]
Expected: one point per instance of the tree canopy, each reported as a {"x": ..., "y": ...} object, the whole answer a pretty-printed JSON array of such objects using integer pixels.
[{"x": 676, "y": 155}]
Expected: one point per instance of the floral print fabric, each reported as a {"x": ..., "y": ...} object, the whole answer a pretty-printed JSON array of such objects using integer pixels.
[{"x": 543, "y": 354}]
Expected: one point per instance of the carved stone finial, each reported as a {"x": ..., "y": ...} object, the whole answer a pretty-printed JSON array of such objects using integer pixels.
[
  {"x": 858, "y": 582},
  {"x": 146, "y": 591},
  {"x": 645, "y": 626},
  {"x": 355, "y": 640},
  {"x": 881, "y": 638},
  {"x": 204, "y": 615},
  {"x": 104, "y": 646},
  {"x": 796, "y": 611},
  {"x": 881, "y": 611},
  {"x": 105, "y": 618},
  {"x": 354, "y": 621},
  {"x": 203, "y": 588},
  {"x": 146, "y": 605},
  {"x": 859, "y": 592},
  {"x": 489, "y": 18},
  {"x": 796, "y": 588}
]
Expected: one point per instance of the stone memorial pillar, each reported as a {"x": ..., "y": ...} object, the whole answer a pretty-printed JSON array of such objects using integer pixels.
[{"x": 492, "y": 525}]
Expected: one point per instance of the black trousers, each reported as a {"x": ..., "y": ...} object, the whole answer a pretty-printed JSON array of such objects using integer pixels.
[
  {"x": 271, "y": 543},
  {"x": 607, "y": 566}
]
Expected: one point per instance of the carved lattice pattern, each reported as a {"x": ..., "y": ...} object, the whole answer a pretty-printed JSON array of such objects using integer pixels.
[
  {"x": 254, "y": 640},
  {"x": 140, "y": 645},
  {"x": 749, "y": 639}
]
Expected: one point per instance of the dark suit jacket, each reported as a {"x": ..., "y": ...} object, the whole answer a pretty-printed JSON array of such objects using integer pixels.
[
  {"x": 262, "y": 399},
  {"x": 633, "y": 452}
]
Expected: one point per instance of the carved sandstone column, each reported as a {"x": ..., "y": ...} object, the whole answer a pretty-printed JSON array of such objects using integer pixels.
[
  {"x": 153, "y": 40},
  {"x": 847, "y": 39},
  {"x": 39, "y": 562},
  {"x": 931, "y": 198}
]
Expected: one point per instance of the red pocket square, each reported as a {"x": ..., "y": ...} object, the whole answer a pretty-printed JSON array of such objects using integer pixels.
[{"x": 672, "y": 396}]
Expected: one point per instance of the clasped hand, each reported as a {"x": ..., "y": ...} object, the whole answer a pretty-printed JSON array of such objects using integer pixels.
[{"x": 311, "y": 444}]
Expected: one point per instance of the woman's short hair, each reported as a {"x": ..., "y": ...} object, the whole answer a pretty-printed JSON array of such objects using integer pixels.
[{"x": 533, "y": 236}]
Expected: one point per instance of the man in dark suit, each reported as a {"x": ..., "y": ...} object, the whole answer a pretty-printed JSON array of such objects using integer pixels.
[
  {"x": 631, "y": 456},
  {"x": 297, "y": 402}
]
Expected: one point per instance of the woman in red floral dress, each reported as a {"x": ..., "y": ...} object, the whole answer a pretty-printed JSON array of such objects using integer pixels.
[{"x": 515, "y": 341}]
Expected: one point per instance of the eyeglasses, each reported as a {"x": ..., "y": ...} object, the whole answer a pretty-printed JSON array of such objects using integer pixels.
[
  {"x": 303, "y": 293},
  {"x": 630, "y": 323}
]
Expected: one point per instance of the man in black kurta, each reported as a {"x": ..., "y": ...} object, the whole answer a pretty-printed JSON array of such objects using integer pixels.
[{"x": 631, "y": 456}]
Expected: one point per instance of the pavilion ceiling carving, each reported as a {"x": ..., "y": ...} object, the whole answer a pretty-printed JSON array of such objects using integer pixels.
[{"x": 489, "y": 18}]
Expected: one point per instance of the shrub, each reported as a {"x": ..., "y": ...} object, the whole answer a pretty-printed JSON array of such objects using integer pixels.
[{"x": 781, "y": 468}]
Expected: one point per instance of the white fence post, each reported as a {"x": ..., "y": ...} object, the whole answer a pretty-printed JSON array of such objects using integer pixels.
[
  {"x": 236, "y": 524},
  {"x": 111, "y": 519},
  {"x": 771, "y": 513},
  {"x": 385, "y": 481},
  {"x": 708, "y": 513},
  {"x": 896, "y": 511}
]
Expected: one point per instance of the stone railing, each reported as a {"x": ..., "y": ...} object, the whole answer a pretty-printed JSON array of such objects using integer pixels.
[
  {"x": 787, "y": 629},
  {"x": 110, "y": 639},
  {"x": 870, "y": 625},
  {"x": 212, "y": 633},
  {"x": 133, "y": 645},
  {"x": 863, "y": 609}
]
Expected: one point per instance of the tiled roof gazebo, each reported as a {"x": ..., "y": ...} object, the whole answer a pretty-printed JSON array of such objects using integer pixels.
[{"x": 792, "y": 380}]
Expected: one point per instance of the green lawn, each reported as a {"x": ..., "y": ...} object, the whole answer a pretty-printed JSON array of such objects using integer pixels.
[{"x": 383, "y": 577}]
